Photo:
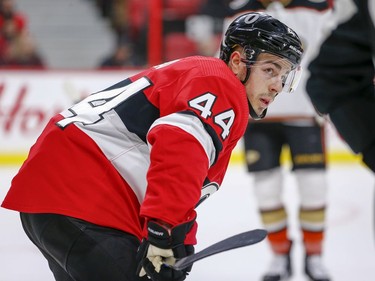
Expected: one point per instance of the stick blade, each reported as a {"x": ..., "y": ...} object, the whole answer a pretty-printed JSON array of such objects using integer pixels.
[{"x": 239, "y": 240}]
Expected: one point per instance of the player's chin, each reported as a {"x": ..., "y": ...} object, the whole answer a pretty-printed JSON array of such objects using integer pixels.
[{"x": 260, "y": 109}]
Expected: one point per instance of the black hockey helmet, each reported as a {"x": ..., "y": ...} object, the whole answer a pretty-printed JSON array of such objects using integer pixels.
[{"x": 259, "y": 32}]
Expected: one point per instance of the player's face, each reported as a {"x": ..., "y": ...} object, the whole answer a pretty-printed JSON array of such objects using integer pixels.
[{"x": 266, "y": 80}]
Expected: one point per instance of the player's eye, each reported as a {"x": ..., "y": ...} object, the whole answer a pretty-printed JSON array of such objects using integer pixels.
[{"x": 270, "y": 71}]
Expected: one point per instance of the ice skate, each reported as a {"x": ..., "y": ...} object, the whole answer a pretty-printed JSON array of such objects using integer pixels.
[
  {"x": 280, "y": 269},
  {"x": 315, "y": 269}
]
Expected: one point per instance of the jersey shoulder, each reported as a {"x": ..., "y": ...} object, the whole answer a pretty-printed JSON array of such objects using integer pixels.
[
  {"x": 213, "y": 72},
  {"x": 219, "y": 87},
  {"x": 214, "y": 75},
  {"x": 201, "y": 66},
  {"x": 206, "y": 73}
]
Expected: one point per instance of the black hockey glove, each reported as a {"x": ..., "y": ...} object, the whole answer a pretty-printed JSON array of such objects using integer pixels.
[{"x": 163, "y": 247}]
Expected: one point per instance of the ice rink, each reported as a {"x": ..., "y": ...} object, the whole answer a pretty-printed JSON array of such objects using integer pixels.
[{"x": 349, "y": 244}]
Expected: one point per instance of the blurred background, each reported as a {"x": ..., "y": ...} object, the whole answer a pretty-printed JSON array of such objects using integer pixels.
[
  {"x": 89, "y": 34},
  {"x": 54, "y": 53}
]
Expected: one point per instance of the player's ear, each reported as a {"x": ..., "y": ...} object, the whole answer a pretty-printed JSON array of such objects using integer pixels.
[{"x": 235, "y": 62}]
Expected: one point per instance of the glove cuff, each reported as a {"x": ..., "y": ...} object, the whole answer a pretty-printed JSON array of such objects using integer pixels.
[{"x": 165, "y": 237}]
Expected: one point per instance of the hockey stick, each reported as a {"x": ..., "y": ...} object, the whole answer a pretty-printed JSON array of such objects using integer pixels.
[{"x": 230, "y": 243}]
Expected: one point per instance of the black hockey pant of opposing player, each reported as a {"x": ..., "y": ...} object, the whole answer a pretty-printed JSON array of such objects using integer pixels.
[{"x": 80, "y": 251}]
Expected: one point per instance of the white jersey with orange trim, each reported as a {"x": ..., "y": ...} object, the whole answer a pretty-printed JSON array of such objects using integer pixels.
[{"x": 307, "y": 18}]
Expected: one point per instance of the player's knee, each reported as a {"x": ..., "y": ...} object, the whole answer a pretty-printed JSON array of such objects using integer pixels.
[
  {"x": 268, "y": 188},
  {"x": 313, "y": 187}
]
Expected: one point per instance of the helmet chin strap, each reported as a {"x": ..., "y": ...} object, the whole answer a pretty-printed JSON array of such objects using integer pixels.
[
  {"x": 253, "y": 114},
  {"x": 247, "y": 75}
]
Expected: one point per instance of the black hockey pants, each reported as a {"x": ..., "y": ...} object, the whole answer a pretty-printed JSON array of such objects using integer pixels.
[{"x": 80, "y": 251}]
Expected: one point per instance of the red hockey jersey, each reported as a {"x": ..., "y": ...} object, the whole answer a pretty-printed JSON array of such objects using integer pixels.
[{"x": 152, "y": 146}]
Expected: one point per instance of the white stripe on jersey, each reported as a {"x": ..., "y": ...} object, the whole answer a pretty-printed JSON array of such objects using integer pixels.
[
  {"x": 127, "y": 152},
  {"x": 193, "y": 126}
]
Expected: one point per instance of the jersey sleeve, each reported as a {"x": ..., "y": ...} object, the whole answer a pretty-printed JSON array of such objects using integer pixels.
[
  {"x": 190, "y": 145},
  {"x": 178, "y": 167}
]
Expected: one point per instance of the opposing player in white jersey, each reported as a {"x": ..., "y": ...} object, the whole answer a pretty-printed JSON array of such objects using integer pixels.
[
  {"x": 291, "y": 122},
  {"x": 109, "y": 190}
]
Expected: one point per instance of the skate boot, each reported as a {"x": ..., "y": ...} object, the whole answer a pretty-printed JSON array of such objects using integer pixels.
[
  {"x": 315, "y": 269},
  {"x": 280, "y": 269}
]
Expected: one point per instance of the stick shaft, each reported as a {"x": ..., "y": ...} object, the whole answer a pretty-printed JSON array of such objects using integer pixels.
[{"x": 233, "y": 242}]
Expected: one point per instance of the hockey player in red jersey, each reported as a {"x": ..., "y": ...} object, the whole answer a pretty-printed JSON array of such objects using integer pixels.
[{"x": 109, "y": 190}]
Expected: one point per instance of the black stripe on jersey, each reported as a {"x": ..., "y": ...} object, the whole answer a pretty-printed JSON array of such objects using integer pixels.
[
  {"x": 208, "y": 189},
  {"x": 120, "y": 84},
  {"x": 215, "y": 138},
  {"x": 138, "y": 114}
]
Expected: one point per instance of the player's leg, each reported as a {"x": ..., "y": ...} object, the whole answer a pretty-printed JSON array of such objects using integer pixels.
[
  {"x": 84, "y": 251},
  {"x": 31, "y": 231},
  {"x": 263, "y": 145},
  {"x": 309, "y": 165},
  {"x": 58, "y": 272}
]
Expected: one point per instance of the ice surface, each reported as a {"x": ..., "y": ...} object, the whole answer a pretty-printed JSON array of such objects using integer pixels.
[{"x": 349, "y": 245}]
